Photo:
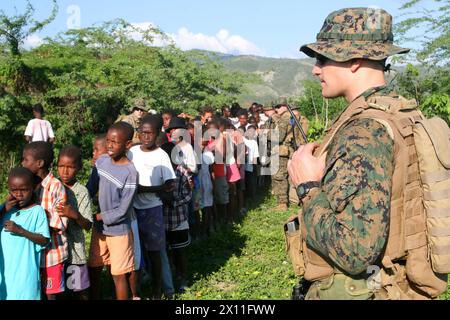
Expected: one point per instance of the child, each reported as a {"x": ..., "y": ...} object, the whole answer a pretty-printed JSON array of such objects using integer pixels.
[
  {"x": 38, "y": 158},
  {"x": 99, "y": 149},
  {"x": 79, "y": 211},
  {"x": 250, "y": 140},
  {"x": 155, "y": 175},
  {"x": 206, "y": 188},
  {"x": 216, "y": 145},
  {"x": 176, "y": 220},
  {"x": 38, "y": 129},
  {"x": 232, "y": 169},
  {"x": 112, "y": 238},
  {"x": 24, "y": 234}
]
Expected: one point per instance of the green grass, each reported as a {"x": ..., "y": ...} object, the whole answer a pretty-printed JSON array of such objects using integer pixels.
[
  {"x": 240, "y": 262},
  {"x": 243, "y": 261}
]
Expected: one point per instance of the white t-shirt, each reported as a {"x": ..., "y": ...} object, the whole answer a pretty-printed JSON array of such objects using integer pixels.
[
  {"x": 184, "y": 155},
  {"x": 154, "y": 169},
  {"x": 39, "y": 130},
  {"x": 252, "y": 155}
]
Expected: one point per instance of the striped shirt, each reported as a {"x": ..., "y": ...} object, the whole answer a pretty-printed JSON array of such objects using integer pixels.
[
  {"x": 117, "y": 187},
  {"x": 52, "y": 193},
  {"x": 176, "y": 214}
]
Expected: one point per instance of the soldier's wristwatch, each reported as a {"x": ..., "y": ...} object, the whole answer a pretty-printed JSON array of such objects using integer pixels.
[{"x": 304, "y": 188}]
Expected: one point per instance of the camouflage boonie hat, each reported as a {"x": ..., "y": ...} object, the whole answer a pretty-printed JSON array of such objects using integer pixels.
[
  {"x": 268, "y": 105},
  {"x": 138, "y": 103},
  {"x": 352, "y": 33},
  {"x": 281, "y": 101}
]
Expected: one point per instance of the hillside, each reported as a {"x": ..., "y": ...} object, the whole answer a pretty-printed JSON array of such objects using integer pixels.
[{"x": 279, "y": 77}]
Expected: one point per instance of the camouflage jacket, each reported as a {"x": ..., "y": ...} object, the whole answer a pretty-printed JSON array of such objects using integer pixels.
[
  {"x": 134, "y": 121},
  {"x": 347, "y": 219},
  {"x": 289, "y": 135}
]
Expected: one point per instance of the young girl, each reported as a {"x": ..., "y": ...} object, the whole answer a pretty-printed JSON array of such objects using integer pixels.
[{"x": 24, "y": 234}]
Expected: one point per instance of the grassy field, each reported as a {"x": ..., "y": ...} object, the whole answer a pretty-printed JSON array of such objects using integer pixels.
[{"x": 243, "y": 261}]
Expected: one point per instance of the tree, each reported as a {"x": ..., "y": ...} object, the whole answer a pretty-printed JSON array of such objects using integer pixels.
[
  {"x": 433, "y": 26},
  {"x": 13, "y": 31},
  {"x": 429, "y": 81},
  {"x": 317, "y": 109}
]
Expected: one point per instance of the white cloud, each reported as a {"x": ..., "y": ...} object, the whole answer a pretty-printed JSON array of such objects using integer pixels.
[
  {"x": 222, "y": 42},
  {"x": 186, "y": 40},
  {"x": 32, "y": 42}
]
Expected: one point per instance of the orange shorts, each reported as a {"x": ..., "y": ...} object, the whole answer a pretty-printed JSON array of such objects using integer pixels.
[{"x": 116, "y": 251}]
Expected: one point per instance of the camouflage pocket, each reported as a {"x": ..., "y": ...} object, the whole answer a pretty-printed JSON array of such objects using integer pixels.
[
  {"x": 341, "y": 287},
  {"x": 283, "y": 151},
  {"x": 292, "y": 235}
]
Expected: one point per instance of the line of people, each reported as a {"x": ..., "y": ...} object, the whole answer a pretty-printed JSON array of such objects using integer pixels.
[{"x": 144, "y": 203}]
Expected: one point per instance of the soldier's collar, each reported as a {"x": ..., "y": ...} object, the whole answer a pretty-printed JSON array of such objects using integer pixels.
[{"x": 384, "y": 89}]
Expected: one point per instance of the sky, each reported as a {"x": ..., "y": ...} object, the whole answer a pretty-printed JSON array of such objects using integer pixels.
[{"x": 272, "y": 28}]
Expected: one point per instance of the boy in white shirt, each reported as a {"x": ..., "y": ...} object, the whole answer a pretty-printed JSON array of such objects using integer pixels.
[
  {"x": 155, "y": 175},
  {"x": 39, "y": 129}
]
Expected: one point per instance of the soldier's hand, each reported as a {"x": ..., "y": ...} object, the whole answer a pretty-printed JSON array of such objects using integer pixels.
[{"x": 304, "y": 167}]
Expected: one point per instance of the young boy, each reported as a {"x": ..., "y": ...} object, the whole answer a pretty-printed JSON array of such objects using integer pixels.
[
  {"x": 155, "y": 176},
  {"x": 39, "y": 129},
  {"x": 38, "y": 158},
  {"x": 250, "y": 140},
  {"x": 112, "y": 238},
  {"x": 176, "y": 220},
  {"x": 24, "y": 234},
  {"x": 99, "y": 149},
  {"x": 79, "y": 211}
]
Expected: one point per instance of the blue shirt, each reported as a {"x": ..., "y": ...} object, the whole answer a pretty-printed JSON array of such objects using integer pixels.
[{"x": 20, "y": 257}]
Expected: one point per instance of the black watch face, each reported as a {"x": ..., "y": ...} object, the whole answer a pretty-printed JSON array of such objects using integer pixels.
[{"x": 301, "y": 191}]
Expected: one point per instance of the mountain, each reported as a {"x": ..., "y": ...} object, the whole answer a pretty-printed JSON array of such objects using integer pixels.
[{"x": 279, "y": 77}]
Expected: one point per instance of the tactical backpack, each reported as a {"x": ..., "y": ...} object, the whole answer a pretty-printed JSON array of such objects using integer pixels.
[{"x": 416, "y": 261}]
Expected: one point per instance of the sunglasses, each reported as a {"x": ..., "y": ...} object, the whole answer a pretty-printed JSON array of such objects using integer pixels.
[{"x": 321, "y": 60}]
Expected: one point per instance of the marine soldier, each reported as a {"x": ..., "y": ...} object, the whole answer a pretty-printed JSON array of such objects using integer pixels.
[
  {"x": 354, "y": 203},
  {"x": 136, "y": 110},
  {"x": 265, "y": 137}
]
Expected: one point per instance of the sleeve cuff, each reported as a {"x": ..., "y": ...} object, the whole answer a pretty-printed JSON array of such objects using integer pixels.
[{"x": 311, "y": 194}]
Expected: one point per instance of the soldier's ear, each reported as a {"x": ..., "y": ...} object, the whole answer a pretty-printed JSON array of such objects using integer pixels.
[{"x": 355, "y": 64}]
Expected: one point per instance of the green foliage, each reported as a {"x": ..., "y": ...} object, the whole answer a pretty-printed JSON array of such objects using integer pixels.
[
  {"x": 435, "y": 38},
  {"x": 14, "y": 30},
  {"x": 245, "y": 261},
  {"x": 318, "y": 110},
  {"x": 86, "y": 77},
  {"x": 437, "y": 105},
  {"x": 429, "y": 86}
]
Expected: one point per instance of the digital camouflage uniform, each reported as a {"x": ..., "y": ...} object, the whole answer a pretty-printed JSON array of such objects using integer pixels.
[
  {"x": 133, "y": 120},
  {"x": 346, "y": 220},
  {"x": 297, "y": 140},
  {"x": 280, "y": 183},
  {"x": 290, "y": 138}
]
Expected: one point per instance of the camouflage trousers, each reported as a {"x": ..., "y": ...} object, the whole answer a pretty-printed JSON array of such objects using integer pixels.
[{"x": 280, "y": 181}]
